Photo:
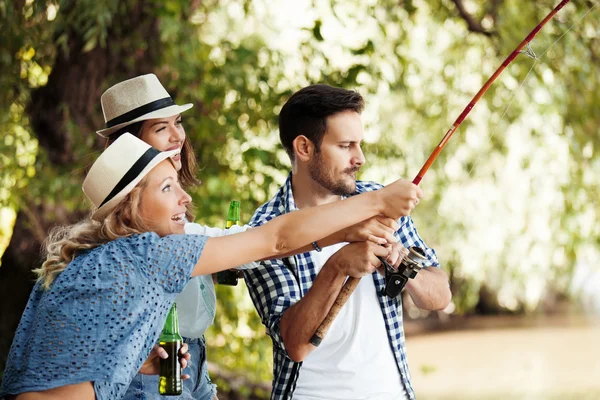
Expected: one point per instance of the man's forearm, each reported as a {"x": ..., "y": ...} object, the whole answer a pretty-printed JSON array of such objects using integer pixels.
[
  {"x": 429, "y": 289},
  {"x": 300, "y": 321}
]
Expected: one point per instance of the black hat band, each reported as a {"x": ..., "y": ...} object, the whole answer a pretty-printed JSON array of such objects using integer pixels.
[
  {"x": 142, "y": 110},
  {"x": 132, "y": 173}
]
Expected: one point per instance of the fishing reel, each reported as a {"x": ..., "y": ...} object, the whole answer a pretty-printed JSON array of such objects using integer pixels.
[{"x": 396, "y": 279}]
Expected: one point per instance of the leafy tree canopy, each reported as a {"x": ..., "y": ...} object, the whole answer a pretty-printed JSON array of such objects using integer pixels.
[{"x": 511, "y": 202}]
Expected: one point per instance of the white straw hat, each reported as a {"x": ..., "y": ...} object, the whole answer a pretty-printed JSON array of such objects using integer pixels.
[
  {"x": 118, "y": 170},
  {"x": 137, "y": 99}
]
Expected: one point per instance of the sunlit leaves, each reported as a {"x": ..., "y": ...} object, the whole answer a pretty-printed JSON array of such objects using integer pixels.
[{"x": 509, "y": 204}]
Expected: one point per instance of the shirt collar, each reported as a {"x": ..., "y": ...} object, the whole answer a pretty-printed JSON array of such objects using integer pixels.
[{"x": 289, "y": 203}]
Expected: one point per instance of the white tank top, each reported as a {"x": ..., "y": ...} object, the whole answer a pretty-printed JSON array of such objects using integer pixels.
[{"x": 355, "y": 360}]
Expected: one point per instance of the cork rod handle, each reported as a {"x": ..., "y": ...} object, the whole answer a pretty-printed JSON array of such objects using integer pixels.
[{"x": 343, "y": 296}]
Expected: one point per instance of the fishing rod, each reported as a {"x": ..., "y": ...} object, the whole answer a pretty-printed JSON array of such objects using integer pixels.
[{"x": 412, "y": 258}]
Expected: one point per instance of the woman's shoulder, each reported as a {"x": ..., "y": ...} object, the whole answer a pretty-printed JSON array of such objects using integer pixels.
[
  {"x": 119, "y": 251},
  {"x": 121, "y": 248},
  {"x": 149, "y": 246},
  {"x": 137, "y": 241}
]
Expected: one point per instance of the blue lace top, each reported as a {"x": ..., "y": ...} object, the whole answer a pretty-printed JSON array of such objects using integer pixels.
[{"x": 101, "y": 315}]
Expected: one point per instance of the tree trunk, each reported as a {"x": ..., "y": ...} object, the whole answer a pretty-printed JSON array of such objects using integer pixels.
[
  {"x": 70, "y": 98},
  {"x": 16, "y": 281}
]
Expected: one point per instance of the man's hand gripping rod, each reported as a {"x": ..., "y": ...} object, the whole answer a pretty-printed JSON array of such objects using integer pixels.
[
  {"x": 395, "y": 279},
  {"x": 351, "y": 283}
]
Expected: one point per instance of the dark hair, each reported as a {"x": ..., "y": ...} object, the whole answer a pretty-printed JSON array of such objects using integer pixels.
[
  {"x": 135, "y": 129},
  {"x": 306, "y": 113},
  {"x": 189, "y": 165}
]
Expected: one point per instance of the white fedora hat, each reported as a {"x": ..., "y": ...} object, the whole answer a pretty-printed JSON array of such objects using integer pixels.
[
  {"x": 137, "y": 99},
  {"x": 118, "y": 170}
]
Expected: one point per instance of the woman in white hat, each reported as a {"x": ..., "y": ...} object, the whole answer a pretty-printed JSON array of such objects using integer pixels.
[
  {"x": 107, "y": 283},
  {"x": 143, "y": 107}
]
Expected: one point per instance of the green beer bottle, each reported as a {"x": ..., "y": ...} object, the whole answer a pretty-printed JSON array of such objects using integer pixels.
[
  {"x": 230, "y": 277},
  {"x": 169, "y": 381}
]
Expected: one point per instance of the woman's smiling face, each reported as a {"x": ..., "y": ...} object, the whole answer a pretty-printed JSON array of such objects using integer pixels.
[
  {"x": 163, "y": 201},
  {"x": 165, "y": 134}
]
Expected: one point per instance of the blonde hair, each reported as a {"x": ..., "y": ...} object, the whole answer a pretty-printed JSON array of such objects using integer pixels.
[{"x": 66, "y": 242}]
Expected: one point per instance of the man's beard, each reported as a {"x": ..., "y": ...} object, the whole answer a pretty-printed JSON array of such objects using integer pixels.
[{"x": 318, "y": 174}]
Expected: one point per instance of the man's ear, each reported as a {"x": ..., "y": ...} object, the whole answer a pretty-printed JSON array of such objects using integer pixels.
[{"x": 303, "y": 148}]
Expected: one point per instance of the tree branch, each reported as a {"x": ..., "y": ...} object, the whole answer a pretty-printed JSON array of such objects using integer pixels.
[
  {"x": 472, "y": 24},
  {"x": 493, "y": 10}
]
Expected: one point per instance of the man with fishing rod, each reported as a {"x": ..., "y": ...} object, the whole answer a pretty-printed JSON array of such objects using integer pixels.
[{"x": 363, "y": 355}]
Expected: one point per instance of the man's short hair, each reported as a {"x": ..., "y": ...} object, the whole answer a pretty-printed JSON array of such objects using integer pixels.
[{"x": 306, "y": 111}]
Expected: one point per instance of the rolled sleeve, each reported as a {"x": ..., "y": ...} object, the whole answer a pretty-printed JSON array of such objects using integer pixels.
[
  {"x": 408, "y": 235},
  {"x": 170, "y": 260}
]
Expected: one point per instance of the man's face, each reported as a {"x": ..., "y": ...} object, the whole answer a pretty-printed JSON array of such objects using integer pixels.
[{"x": 335, "y": 165}]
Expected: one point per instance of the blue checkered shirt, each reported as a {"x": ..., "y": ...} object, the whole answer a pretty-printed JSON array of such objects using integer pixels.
[{"x": 278, "y": 284}]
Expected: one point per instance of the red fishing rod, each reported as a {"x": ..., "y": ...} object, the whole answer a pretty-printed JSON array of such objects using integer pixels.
[{"x": 412, "y": 257}]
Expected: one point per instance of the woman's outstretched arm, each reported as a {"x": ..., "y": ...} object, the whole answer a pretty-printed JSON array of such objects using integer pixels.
[{"x": 292, "y": 231}]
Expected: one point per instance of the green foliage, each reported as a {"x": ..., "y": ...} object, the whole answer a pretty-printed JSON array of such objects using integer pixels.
[
  {"x": 237, "y": 339},
  {"x": 509, "y": 201}
]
